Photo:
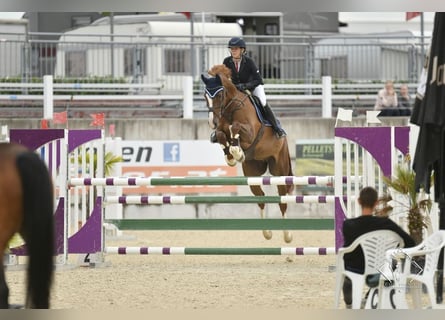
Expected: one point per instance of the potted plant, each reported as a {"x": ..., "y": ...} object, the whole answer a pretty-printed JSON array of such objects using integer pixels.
[
  {"x": 402, "y": 192},
  {"x": 110, "y": 160}
]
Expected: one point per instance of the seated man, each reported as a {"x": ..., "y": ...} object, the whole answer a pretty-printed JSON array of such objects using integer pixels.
[
  {"x": 355, "y": 227},
  {"x": 404, "y": 101}
]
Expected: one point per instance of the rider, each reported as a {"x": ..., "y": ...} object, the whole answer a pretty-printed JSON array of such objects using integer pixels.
[{"x": 246, "y": 76}]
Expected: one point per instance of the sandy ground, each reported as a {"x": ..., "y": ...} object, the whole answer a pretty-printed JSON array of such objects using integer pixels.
[{"x": 196, "y": 282}]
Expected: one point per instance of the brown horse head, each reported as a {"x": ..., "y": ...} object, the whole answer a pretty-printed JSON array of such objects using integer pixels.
[{"x": 219, "y": 91}]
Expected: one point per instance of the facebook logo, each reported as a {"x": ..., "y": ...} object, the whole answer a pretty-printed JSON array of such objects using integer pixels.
[{"x": 171, "y": 152}]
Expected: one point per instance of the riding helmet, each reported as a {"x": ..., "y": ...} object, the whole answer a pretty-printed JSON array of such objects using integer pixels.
[{"x": 237, "y": 42}]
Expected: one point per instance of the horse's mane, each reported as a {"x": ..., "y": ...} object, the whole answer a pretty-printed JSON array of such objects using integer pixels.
[
  {"x": 225, "y": 75},
  {"x": 220, "y": 69}
]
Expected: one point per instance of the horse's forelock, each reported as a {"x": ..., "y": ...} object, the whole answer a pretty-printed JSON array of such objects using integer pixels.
[
  {"x": 220, "y": 69},
  {"x": 220, "y": 75}
]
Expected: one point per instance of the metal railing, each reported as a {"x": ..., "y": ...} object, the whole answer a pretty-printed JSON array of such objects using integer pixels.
[
  {"x": 82, "y": 88},
  {"x": 286, "y": 99},
  {"x": 149, "y": 72},
  {"x": 143, "y": 59}
]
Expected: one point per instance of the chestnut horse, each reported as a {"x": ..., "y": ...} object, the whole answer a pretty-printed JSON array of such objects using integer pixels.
[
  {"x": 244, "y": 138},
  {"x": 26, "y": 207}
]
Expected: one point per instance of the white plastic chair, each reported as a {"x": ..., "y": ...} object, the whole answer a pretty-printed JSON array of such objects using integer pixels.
[
  {"x": 374, "y": 245},
  {"x": 413, "y": 278}
]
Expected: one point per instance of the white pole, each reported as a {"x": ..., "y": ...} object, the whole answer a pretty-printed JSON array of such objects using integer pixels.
[
  {"x": 326, "y": 104},
  {"x": 5, "y": 133},
  {"x": 48, "y": 107},
  {"x": 188, "y": 97},
  {"x": 338, "y": 166},
  {"x": 114, "y": 211}
]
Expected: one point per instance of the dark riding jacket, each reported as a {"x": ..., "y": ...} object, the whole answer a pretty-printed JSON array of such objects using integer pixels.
[{"x": 248, "y": 77}]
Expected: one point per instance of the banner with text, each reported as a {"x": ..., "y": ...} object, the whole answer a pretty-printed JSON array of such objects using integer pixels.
[{"x": 314, "y": 157}]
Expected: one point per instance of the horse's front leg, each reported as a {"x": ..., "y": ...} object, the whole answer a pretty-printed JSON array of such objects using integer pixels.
[
  {"x": 225, "y": 145},
  {"x": 235, "y": 148}
]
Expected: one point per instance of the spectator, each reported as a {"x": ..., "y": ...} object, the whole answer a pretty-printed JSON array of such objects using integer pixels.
[
  {"x": 386, "y": 101},
  {"x": 404, "y": 101},
  {"x": 355, "y": 227}
]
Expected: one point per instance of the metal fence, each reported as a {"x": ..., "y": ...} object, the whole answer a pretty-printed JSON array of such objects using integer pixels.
[{"x": 302, "y": 59}]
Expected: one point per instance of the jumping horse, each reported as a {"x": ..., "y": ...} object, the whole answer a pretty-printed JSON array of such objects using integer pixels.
[
  {"x": 26, "y": 207},
  {"x": 244, "y": 138}
]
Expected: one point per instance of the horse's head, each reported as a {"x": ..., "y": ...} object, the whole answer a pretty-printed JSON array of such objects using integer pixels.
[
  {"x": 219, "y": 90},
  {"x": 213, "y": 88}
]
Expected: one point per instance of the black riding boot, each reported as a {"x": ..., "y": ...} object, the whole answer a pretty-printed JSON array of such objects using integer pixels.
[{"x": 271, "y": 117}]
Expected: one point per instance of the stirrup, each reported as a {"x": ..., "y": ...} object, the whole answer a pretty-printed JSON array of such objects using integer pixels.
[{"x": 213, "y": 137}]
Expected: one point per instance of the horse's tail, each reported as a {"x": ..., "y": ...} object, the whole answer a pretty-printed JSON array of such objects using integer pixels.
[{"x": 38, "y": 228}]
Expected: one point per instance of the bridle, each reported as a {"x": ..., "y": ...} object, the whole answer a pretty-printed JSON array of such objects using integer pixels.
[{"x": 212, "y": 93}]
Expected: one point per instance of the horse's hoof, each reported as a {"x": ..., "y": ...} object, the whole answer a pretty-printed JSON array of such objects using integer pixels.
[
  {"x": 236, "y": 152},
  {"x": 231, "y": 162},
  {"x": 288, "y": 237},
  {"x": 267, "y": 234}
]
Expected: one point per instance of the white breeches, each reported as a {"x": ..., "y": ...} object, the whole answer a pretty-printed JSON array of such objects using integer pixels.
[{"x": 259, "y": 92}]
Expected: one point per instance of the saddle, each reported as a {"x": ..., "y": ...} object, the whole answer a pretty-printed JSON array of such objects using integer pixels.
[{"x": 259, "y": 109}]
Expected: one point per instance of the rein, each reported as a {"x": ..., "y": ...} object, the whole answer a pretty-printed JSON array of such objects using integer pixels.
[
  {"x": 225, "y": 108},
  {"x": 250, "y": 151}
]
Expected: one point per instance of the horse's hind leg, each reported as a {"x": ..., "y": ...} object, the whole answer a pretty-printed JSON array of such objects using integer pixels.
[
  {"x": 4, "y": 290},
  {"x": 5, "y": 235},
  {"x": 256, "y": 190},
  {"x": 283, "y": 168},
  {"x": 254, "y": 169},
  {"x": 282, "y": 190}
]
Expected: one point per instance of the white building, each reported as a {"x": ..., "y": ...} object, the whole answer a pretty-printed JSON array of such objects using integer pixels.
[
  {"x": 149, "y": 52},
  {"x": 380, "y": 22}
]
